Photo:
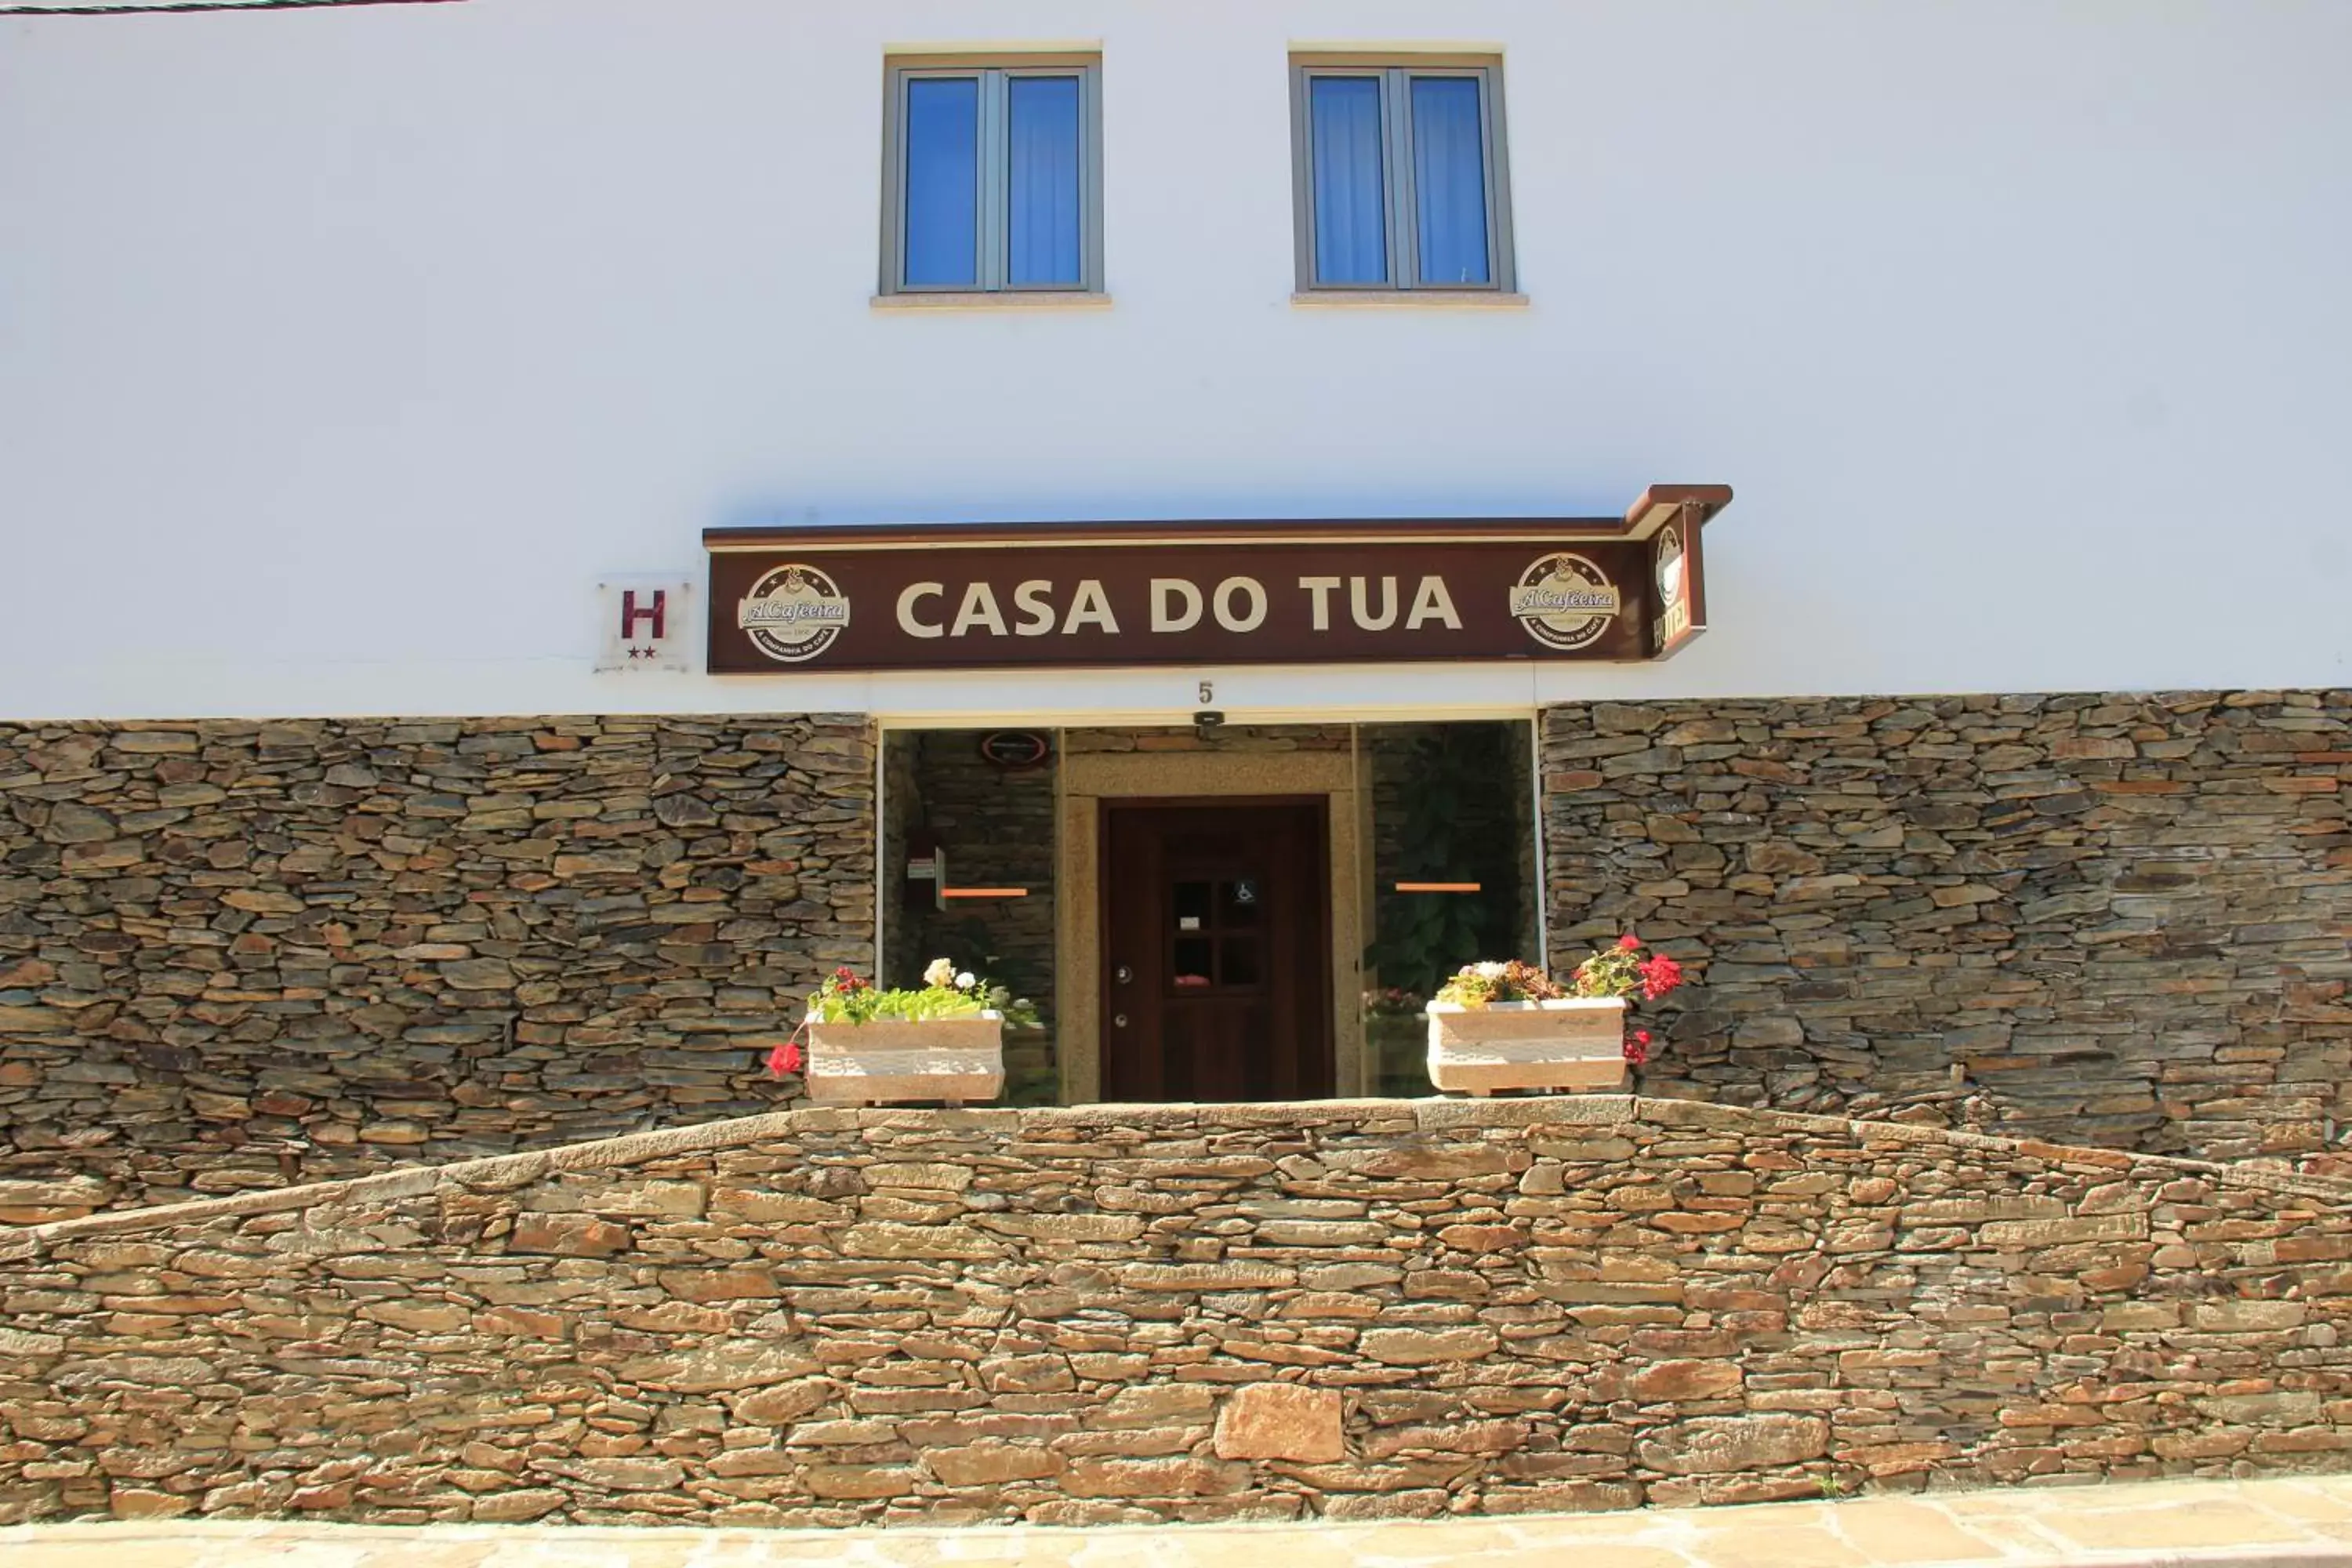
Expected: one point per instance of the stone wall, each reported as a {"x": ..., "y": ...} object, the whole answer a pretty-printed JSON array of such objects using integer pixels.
[
  {"x": 234, "y": 953},
  {"x": 238, "y": 954},
  {"x": 1353, "y": 1310},
  {"x": 2120, "y": 919}
]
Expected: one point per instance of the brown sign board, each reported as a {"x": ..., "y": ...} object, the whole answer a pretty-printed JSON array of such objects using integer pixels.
[{"x": 1065, "y": 595}]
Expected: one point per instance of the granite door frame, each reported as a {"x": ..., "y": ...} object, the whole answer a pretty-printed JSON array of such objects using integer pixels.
[{"x": 1088, "y": 779}]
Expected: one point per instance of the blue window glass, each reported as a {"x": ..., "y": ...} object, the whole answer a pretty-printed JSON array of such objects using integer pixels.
[
  {"x": 1401, "y": 176},
  {"x": 1043, "y": 227},
  {"x": 1449, "y": 181},
  {"x": 942, "y": 183},
  {"x": 1350, "y": 218}
]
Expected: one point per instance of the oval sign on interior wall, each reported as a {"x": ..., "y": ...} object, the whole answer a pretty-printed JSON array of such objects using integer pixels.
[{"x": 1017, "y": 748}]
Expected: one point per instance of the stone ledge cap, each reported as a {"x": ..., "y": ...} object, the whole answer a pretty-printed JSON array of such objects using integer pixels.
[{"x": 1374, "y": 1117}]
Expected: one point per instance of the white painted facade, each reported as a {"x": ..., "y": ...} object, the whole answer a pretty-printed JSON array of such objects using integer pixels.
[{"x": 342, "y": 352}]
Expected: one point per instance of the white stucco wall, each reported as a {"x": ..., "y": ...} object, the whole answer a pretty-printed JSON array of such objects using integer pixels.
[{"x": 341, "y": 352}]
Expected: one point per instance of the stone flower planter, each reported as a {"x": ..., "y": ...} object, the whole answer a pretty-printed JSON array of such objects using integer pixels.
[
  {"x": 890, "y": 1061},
  {"x": 1576, "y": 1044}
]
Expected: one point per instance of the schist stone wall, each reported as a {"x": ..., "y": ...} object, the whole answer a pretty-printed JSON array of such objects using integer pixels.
[
  {"x": 2121, "y": 919},
  {"x": 237, "y": 954},
  {"x": 1353, "y": 1310},
  {"x": 230, "y": 952}
]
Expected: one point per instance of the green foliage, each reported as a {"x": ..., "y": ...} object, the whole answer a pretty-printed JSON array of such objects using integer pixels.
[
  {"x": 1483, "y": 985},
  {"x": 1623, "y": 969},
  {"x": 846, "y": 997}
]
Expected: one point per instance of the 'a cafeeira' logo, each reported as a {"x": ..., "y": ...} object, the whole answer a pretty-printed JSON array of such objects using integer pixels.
[
  {"x": 1565, "y": 601},
  {"x": 793, "y": 614}
]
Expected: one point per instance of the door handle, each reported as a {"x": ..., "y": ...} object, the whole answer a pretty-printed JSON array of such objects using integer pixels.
[{"x": 1123, "y": 975}]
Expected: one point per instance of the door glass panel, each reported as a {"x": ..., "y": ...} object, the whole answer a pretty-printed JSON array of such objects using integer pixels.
[
  {"x": 1237, "y": 908},
  {"x": 1454, "y": 871},
  {"x": 1240, "y": 965},
  {"x": 1192, "y": 905},
  {"x": 1193, "y": 965},
  {"x": 947, "y": 809}
]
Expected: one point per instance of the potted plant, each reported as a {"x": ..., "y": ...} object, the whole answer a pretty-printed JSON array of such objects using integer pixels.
[
  {"x": 1633, "y": 972},
  {"x": 943, "y": 1040},
  {"x": 1511, "y": 1026}
]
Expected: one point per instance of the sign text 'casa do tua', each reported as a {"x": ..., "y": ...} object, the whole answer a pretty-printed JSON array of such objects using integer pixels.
[{"x": 948, "y": 596}]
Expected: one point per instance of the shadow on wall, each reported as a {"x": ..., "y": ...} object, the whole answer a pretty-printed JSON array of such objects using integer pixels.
[
  {"x": 228, "y": 946},
  {"x": 2119, "y": 919}
]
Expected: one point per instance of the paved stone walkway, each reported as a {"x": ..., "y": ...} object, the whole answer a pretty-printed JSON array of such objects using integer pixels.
[{"x": 2302, "y": 1524}]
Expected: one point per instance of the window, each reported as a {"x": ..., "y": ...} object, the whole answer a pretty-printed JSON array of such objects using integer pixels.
[
  {"x": 1400, "y": 174},
  {"x": 992, "y": 176}
]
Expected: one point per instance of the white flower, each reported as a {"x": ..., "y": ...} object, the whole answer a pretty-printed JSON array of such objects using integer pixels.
[
  {"x": 1489, "y": 971},
  {"x": 940, "y": 973},
  {"x": 964, "y": 981}
]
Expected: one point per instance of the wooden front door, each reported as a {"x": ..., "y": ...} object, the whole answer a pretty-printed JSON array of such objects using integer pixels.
[{"x": 1216, "y": 958}]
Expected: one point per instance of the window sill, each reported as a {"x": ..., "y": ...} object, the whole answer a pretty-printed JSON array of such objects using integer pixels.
[
  {"x": 1408, "y": 299},
  {"x": 1009, "y": 300}
]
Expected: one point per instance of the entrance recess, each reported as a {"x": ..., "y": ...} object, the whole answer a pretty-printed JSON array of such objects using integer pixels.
[{"x": 1215, "y": 964}]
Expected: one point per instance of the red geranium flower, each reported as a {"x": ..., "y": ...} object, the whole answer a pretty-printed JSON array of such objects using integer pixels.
[
  {"x": 1637, "y": 1048},
  {"x": 1659, "y": 976},
  {"x": 784, "y": 1058},
  {"x": 1628, "y": 942}
]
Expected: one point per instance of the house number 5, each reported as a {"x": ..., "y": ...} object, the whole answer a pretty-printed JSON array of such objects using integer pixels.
[{"x": 1208, "y": 694}]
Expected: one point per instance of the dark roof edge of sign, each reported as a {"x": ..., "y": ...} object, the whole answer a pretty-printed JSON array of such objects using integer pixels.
[{"x": 1711, "y": 498}]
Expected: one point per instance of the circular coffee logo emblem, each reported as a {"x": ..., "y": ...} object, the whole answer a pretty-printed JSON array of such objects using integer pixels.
[
  {"x": 794, "y": 613},
  {"x": 1670, "y": 567},
  {"x": 1564, "y": 601}
]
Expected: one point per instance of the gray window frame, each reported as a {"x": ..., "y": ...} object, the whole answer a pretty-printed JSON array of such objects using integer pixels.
[
  {"x": 991, "y": 240},
  {"x": 1395, "y": 73}
]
